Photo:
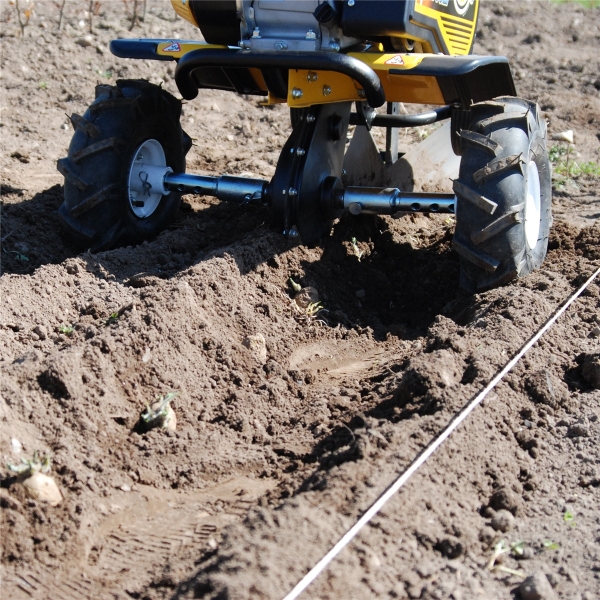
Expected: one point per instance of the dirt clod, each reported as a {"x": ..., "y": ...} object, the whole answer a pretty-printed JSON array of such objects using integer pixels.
[
  {"x": 258, "y": 346},
  {"x": 581, "y": 428},
  {"x": 306, "y": 296},
  {"x": 503, "y": 521},
  {"x": 537, "y": 587},
  {"x": 545, "y": 387},
  {"x": 505, "y": 499},
  {"x": 451, "y": 548},
  {"x": 428, "y": 379}
]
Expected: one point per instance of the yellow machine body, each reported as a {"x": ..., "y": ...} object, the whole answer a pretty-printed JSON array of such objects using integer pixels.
[
  {"x": 324, "y": 87},
  {"x": 182, "y": 8},
  {"x": 454, "y": 29}
]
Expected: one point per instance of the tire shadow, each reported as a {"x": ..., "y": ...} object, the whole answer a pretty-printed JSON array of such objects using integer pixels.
[
  {"x": 31, "y": 231},
  {"x": 32, "y": 235}
]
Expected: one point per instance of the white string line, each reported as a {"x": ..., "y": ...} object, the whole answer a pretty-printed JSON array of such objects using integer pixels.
[{"x": 428, "y": 451}]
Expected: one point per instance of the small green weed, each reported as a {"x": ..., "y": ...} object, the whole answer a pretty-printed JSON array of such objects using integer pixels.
[
  {"x": 502, "y": 547},
  {"x": 160, "y": 413},
  {"x": 357, "y": 252},
  {"x": 517, "y": 548},
  {"x": 565, "y": 169},
  {"x": 29, "y": 467},
  {"x": 313, "y": 309},
  {"x": 584, "y": 3},
  {"x": 43, "y": 85},
  {"x": 114, "y": 317},
  {"x": 67, "y": 329},
  {"x": 499, "y": 548},
  {"x": 18, "y": 255},
  {"x": 106, "y": 74},
  {"x": 295, "y": 286},
  {"x": 550, "y": 545},
  {"x": 569, "y": 517}
]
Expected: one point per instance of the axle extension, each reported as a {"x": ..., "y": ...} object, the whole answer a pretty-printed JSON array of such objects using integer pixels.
[
  {"x": 333, "y": 197},
  {"x": 381, "y": 201}
]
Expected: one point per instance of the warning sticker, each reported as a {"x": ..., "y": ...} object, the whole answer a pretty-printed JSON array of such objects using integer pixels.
[
  {"x": 173, "y": 47},
  {"x": 395, "y": 60}
]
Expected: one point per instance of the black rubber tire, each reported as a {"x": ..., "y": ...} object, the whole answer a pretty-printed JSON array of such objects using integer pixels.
[
  {"x": 503, "y": 136},
  {"x": 96, "y": 209}
]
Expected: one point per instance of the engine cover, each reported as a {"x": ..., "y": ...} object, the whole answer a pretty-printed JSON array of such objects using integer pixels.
[
  {"x": 437, "y": 26},
  {"x": 292, "y": 25}
]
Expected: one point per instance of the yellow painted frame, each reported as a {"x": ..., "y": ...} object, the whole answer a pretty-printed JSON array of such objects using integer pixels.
[{"x": 306, "y": 88}]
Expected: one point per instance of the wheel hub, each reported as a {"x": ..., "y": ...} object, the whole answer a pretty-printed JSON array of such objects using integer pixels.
[
  {"x": 532, "y": 205},
  {"x": 145, "y": 185}
]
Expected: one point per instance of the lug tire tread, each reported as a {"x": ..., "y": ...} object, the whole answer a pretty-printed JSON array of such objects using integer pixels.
[
  {"x": 491, "y": 244},
  {"x": 483, "y": 141},
  {"x": 513, "y": 118},
  {"x": 92, "y": 201},
  {"x": 108, "y": 144},
  {"x": 499, "y": 225},
  {"x": 497, "y": 166},
  {"x": 473, "y": 255},
  {"x": 67, "y": 170},
  {"x": 81, "y": 124},
  {"x": 472, "y": 196}
]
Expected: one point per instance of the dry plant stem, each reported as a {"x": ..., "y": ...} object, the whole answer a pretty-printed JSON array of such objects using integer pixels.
[
  {"x": 21, "y": 24},
  {"x": 91, "y": 11},
  {"x": 61, "y": 13},
  {"x": 134, "y": 17},
  {"x": 514, "y": 572}
]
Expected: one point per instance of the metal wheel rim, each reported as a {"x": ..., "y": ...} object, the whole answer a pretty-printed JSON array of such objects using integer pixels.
[
  {"x": 149, "y": 153},
  {"x": 532, "y": 205}
]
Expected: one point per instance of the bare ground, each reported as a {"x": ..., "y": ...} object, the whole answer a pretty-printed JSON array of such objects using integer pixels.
[{"x": 274, "y": 458}]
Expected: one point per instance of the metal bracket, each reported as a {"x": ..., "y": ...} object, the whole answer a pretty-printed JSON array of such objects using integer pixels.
[
  {"x": 391, "y": 136},
  {"x": 365, "y": 114}
]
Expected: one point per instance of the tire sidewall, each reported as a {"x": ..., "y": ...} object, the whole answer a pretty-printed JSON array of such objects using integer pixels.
[{"x": 538, "y": 154}]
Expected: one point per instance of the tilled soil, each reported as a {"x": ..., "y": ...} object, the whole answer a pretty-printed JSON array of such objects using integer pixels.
[{"x": 281, "y": 446}]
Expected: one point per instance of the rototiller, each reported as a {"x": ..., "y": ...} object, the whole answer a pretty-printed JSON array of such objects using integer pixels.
[{"x": 125, "y": 171}]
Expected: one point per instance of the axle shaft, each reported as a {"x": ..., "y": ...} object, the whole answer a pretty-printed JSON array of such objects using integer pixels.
[{"x": 226, "y": 187}]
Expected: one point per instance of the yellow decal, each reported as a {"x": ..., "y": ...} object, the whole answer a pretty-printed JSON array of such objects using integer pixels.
[
  {"x": 385, "y": 62},
  {"x": 178, "y": 48}
]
